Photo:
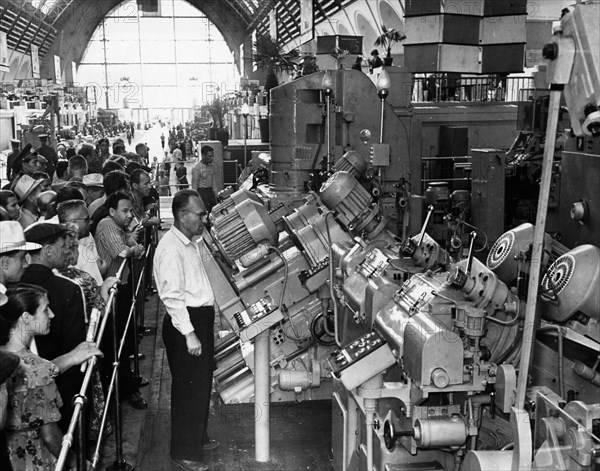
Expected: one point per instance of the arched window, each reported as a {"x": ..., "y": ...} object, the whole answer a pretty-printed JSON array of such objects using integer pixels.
[
  {"x": 368, "y": 33},
  {"x": 172, "y": 58}
]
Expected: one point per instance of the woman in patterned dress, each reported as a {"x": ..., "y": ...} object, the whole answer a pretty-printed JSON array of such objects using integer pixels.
[{"x": 33, "y": 436}]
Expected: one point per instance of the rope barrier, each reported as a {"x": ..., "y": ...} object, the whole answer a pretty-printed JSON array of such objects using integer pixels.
[{"x": 80, "y": 399}]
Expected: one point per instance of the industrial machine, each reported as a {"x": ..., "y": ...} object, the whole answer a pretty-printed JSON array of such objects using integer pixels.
[
  {"x": 442, "y": 380},
  {"x": 434, "y": 358},
  {"x": 275, "y": 251}
]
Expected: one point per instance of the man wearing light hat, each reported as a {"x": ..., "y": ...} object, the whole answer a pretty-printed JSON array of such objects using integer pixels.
[
  {"x": 13, "y": 262},
  {"x": 13, "y": 251},
  {"x": 27, "y": 190}
]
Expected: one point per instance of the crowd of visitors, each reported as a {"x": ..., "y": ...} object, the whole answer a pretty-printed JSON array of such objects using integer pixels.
[
  {"x": 68, "y": 222},
  {"x": 66, "y": 227}
]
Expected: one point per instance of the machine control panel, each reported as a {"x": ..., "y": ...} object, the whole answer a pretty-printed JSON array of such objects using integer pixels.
[
  {"x": 362, "y": 359},
  {"x": 257, "y": 318},
  {"x": 315, "y": 277}
]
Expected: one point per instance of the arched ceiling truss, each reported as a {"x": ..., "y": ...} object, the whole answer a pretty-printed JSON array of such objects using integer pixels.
[{"x": 64, "y": 27}]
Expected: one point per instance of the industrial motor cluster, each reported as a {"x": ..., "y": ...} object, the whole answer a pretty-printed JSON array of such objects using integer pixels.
[{"x": 418, "y": 347}]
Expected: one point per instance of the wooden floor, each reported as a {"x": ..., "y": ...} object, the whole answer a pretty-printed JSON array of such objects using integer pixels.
[{"x": 300, "y": 433}]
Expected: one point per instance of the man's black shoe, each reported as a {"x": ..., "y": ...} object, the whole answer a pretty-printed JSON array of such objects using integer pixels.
[
  {"x": 137, "y": 401},
  {"x": 189, "y": 465},
  {"x": 211, "y": 445},
  {"x": 141, "y": 356}
]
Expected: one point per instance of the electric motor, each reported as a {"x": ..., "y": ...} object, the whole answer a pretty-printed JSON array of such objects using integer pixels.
[
  {"x": 510, "y": 247},
  {"x": 351, "y": 162},
  {"x": 342, "y": 193},
  {"x": 571, "y": 285},
  {"x": 240, "y": 223},
  {"x": 352, "y": 203}
]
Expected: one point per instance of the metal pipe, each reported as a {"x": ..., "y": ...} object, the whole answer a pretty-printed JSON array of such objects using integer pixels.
[
  {"x": 328, "y": 124},
  {"x": 472, "y": 423},
  {"x": 561, "y": 372},
  {"x": 472, "y": 237},
  {"x": 561, "y": 367},
  {"x": 134, "y": 297},
  {"x": 423, "y": 229},
  {"x": 370, "y": 412},
  {"x": 262, "y": 397},
  {"x": 531, "y": 319},
  {"x": 245, "y": 140},
  {"x": 118, "y": 463},
  {"x": 82, "y": 437},
  {"x": 370, "y": 405},
  {"x": 381, "y": 120}
]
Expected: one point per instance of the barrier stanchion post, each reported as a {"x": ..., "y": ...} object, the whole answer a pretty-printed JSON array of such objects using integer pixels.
[
  {"x": 119, "y": 464},
  {"x": 81, "y": 434},
  {"x": 134, "y": 299},
  {"x": 80, "y": 400},
  {"x": 140, "y": 307}
]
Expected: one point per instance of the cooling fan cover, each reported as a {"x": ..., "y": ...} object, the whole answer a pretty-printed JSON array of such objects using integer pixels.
[
  {"x": 502, "y": 259},
  {"x": 571, "y": 284}
]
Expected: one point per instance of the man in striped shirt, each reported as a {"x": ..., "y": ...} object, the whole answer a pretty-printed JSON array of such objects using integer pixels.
[
  {"x": 116, "y": 244},
  {"x": 203, "y": 178}
]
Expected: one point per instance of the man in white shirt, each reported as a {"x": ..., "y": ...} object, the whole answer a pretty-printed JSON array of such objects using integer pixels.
[
  {"x": 185, "y": 289},
  {"x": 75, "y": 211}
]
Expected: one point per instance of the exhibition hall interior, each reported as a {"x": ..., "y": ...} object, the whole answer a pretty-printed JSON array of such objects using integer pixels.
[{"x": 339, "y": 235}]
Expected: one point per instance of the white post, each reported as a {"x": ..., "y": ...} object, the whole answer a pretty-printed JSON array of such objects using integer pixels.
[{"x": 261, "y": 397}]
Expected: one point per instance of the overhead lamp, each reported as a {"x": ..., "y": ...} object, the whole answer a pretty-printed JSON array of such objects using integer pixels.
[
  {"x": 327, "y": 83},
  {"x": 383, "y": 90},
  {"x": 383, "y": 84}
]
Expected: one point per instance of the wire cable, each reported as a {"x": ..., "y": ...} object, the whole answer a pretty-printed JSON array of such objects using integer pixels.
[
  {"x": 296, "y": 337},
  {"x": 331, "y": 273}
]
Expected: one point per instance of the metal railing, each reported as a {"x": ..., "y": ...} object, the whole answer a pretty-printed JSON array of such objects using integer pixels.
[
  {"x": 95, "y": 333},
  {"x": 442, "y": 88}
]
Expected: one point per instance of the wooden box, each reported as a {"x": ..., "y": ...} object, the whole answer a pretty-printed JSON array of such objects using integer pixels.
[
  {"x": 502, "y": 58},
  {"x": 442, "y": 58},
  {"x": 352, "y": 44},
  {"x": 454, "y": 29},
  {"x": 465, "y": 7},
  {"x": 503, "y": 30}
]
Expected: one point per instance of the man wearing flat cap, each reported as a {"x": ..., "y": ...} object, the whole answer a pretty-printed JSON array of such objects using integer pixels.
[
  {"x": 15, "y": 145},
  {"x": 25, "y": 163},
  {"x": 67, "y": 329},
  {"x": 49, "y": 153}
]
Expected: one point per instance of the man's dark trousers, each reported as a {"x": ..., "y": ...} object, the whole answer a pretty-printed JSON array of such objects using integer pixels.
[{"x": 191, "y": 384}]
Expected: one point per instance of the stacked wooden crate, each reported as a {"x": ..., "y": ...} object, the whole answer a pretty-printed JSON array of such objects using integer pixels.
[{"x": 465, "y": 36}]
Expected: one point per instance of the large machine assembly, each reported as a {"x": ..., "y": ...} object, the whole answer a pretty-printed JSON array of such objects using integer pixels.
[{"x": 434, "y": 358}]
